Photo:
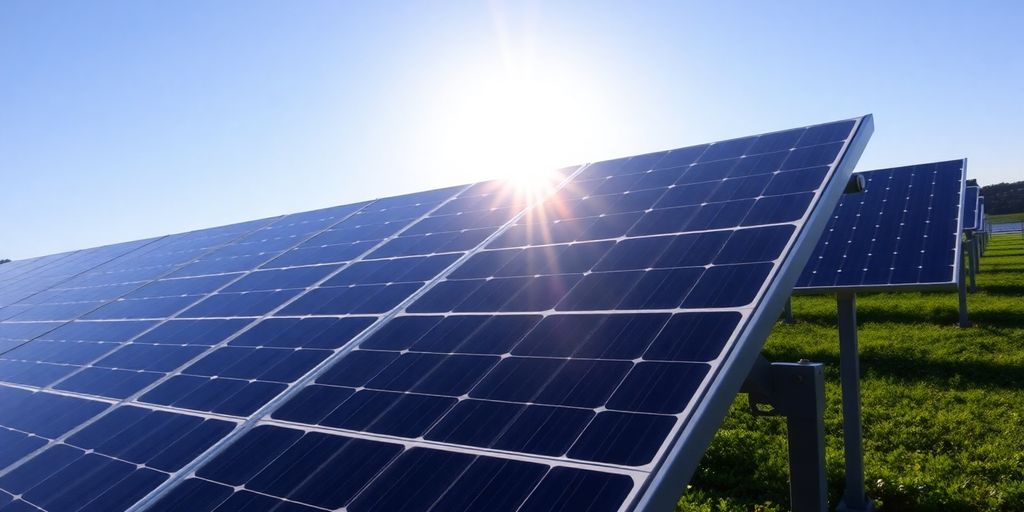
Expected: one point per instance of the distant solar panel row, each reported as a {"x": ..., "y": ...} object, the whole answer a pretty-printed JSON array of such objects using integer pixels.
[
  {"x": 971, "y": 198},
  {"x": 456, "y": 349},
  {"x": 903, "y": 230}
]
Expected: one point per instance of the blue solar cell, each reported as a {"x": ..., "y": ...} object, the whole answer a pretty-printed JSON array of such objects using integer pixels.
[
  {"x": 191, "y": 286},
  {"x": 543, "y": 430},
  {"x": 15, "y": 445},
  {"x": 299, "y": 473},
  {"x": 107, "y": 382},
  {"x": 221, "y": 395},
  {"x": 903, "y": 230},
  {"x": 88, "y": 478},
  {"x": 357, "y": 368},
  {"x": 643, "y": 431},
  {"x": 60, "y": 352},
  {"x": 566, "y": 489},
  {"x": 269, "y": 364},
  {"x": 157, "y": 358},
  {"x": 161, "y": 440},
  {"x": 414, "y": 482},
  {"x": 281, "y": 279},
  {"x": 192, "y": 332},
  {"x": 160, "y": 307},
  {"x": 326, "y": 333},
  {"x": 433, "y": 374},
  {"x": 395, "y": 414},
  {"x": 194, "y": 495},
  {"x": 44, "y": 414},
  {"x": 313, "y": 404},
  {"x": 33, "y": 373},
  {"x": 342, "y": 300},
  {"x": 240, "y": 304}
]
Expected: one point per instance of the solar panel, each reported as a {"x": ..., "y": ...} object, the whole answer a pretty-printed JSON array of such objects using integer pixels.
[
  {"x": 467, "y": 348},
  {"x": 903, "y": 230},
  {"x": 970, "y": 213},
  {"x": 982, "y": 221}
]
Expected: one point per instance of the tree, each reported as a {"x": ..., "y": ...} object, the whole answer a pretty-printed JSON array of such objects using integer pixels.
[
  {"x": 1004, "y": 197},
  {"x": 4, "y": 260}
]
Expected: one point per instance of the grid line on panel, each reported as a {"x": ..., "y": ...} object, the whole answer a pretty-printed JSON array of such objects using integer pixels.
[
  {"x": 117, "y": 402},
  {"x": 140, "y": 252},
  {"x": 114, "y": 402},
  {"x": 140, "y": 285},
  {"x": 50, "y": 287},
  {"x": 134, "y": 447},
  {"x": 269, "y": 496},
  {"x": 562, "y": 460},
  {"x": 130, "y": 399},
  {"x": 634, "y": 472},
  {"x": 198, "y": 298},
  {"x": 254, "y": 419},
  {"x": 29, "y": 273}
]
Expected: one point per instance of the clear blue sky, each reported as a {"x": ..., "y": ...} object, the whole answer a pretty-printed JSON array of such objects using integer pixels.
[{"x": 123, "y": 120}]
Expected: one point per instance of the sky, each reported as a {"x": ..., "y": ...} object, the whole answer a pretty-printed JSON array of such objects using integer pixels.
[{"x": 122, "y": 120}]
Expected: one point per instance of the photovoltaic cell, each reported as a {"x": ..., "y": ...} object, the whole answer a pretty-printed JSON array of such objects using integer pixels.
[
  {"x": 468, "y": 348},
  {"x": 903, "y": 230}
]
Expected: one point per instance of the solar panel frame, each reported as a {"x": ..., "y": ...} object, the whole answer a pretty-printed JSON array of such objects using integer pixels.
[{"x": 907, "y": 287}]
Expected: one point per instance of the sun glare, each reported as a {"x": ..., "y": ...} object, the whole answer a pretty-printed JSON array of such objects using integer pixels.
[{"x": 519, "y": 127}]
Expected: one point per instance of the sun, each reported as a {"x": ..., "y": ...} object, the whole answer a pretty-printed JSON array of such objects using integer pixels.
[
  {"x": 533, "y": 184},
  {"x": 517, "y": 126}
]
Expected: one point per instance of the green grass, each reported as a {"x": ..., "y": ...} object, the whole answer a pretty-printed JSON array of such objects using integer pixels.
[
  {"x": 1006, "y": 217},
  {"x": 943, "y": 407}
]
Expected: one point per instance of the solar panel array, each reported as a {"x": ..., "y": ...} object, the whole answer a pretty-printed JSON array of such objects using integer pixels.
[
  {"x": 903, "y": 230},
  {"x": 468, "y": 348},
  {"x": 982, "y": 222},
  {"x": 971, "y": 209}
]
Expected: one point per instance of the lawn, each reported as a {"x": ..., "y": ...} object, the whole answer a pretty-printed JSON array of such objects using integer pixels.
[
  {"x": 943, "y": 407},
  {"x": 1006, "y": 217}
]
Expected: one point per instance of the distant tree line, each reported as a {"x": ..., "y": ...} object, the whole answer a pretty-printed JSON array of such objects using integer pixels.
[
  {"x": 1004, "y": 197},
  {"x": 2, "y": 261}
]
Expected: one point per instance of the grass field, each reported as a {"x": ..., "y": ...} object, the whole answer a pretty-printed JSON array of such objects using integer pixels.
[
  {"x": 1006, "y": 217},
  {"x": 943, "y": 407}
]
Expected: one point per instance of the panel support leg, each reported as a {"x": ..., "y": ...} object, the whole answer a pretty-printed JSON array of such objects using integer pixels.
[
  {"x": 973, "y": 257},
  {"x": 788, "y": 315},
  {"x": 796, "y": 391},
  {"x": 962, "y": 289},
  {"x": 854, "y": 497},
  {"x": 977, "y": 252}
]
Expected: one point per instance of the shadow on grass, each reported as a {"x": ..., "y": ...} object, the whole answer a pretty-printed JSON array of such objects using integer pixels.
[
  {"x": 913, "y": 368},
  {"x": 1009, "y": 290},
  {"x": 944, "y": 315}
]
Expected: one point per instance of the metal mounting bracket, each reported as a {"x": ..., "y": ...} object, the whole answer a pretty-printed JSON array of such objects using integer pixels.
[{"x": 796, "y": 391}]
